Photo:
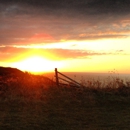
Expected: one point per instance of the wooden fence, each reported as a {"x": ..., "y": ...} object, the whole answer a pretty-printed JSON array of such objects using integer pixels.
[{"x": 65, "y": 79}]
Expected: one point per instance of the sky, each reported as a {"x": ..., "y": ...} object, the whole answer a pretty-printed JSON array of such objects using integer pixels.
[{"x": 71, "y": 35}]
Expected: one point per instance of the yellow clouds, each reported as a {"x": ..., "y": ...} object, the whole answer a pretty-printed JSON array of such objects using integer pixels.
[{"x": 86, "y": 50}]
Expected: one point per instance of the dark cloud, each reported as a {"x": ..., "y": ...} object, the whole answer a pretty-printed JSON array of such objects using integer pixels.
[
  {"x": 84, "y": 6},
  {"x": 49, "y": 21}
]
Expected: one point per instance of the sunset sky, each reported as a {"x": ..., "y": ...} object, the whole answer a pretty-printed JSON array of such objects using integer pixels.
[{"x": 72, "y": 35}]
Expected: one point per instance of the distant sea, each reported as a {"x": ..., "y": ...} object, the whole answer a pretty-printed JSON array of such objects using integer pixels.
[{"x": 87, "y": 76}]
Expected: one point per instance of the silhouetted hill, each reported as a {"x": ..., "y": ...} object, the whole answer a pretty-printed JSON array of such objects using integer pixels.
[
  {"x": 8, "y": 72},
  {"x": 4, "y": 71}
]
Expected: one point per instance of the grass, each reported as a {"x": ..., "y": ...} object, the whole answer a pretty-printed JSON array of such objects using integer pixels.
[{"x": 35, "y": 102}]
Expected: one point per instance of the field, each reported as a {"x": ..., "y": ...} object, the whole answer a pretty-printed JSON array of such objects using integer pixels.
[{"x": 35, "y": 102}]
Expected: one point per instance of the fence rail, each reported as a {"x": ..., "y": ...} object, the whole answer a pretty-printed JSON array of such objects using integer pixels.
[{"x": 65, "y": 79}]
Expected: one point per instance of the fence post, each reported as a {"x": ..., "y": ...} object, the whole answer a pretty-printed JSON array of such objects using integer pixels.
[{"x": 56, "y": 75}]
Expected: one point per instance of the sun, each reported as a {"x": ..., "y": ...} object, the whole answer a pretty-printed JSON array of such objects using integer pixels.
[{"x": 36, "y": 64}]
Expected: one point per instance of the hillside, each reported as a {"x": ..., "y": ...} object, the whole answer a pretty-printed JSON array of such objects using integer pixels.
[
  {"x": 4, "y": 71},
  {"x": 35, "y": 102},
  {"x": 17, "y": 82}
]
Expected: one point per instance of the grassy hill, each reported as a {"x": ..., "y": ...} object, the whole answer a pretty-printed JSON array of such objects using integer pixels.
[
  {"x": 8, "y": 71},
  {"x": 35, "y": 102}
]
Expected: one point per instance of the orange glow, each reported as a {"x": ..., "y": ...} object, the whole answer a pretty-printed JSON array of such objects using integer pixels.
[
  {"x": 36, "y": 64},
  {"x": 104, "y": 56}
]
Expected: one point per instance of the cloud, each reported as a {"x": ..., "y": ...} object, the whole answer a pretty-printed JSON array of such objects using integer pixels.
[
  {"x": 7, "y": 53},
  {"x": 67, "y": 8},
  {"x": 85, "y": 7},
  {"x": 22, "y": 22}
]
